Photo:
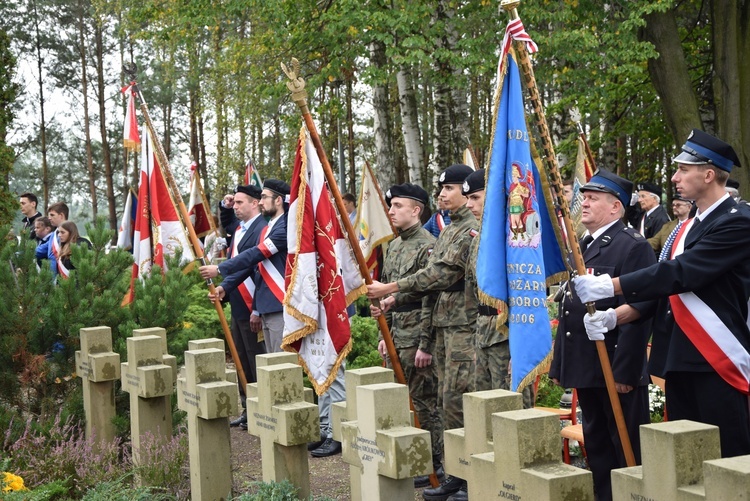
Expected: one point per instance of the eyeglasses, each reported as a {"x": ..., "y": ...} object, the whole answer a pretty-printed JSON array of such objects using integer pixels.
[{"x": 263, "y": 197}]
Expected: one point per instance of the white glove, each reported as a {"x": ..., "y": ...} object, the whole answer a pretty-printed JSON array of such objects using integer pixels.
[
  {"x": 599, "y": 323},
  {"x": 591, "y": 288},
  {"x": 633, "y": 198}
]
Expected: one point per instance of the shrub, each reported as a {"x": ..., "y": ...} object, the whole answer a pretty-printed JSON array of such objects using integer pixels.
[
  {"x": 274, "y": 491},
  {"x": 365, "y": 344}
]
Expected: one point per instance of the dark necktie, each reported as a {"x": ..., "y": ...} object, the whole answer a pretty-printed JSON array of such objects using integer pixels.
[{"x": 585, "y": 241}]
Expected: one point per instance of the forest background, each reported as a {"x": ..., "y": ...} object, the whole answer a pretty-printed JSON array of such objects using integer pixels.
[{"x": 406, "y": 85}]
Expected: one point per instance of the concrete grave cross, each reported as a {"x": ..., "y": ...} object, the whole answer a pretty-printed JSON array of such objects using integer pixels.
[
  {"x": 525, "y": 462},
  {"x": 461, "y": 444},
  {"x": 216, "y": 343},
  {"x": 167, "y": 359},
  {"x": 98, "y": 367},
  {"x": 681, "y": 462},
  {"x": 383, "y": 446},
  {"x": 285, "y": 423},
  {"x": 209, "y": 399},
  {"x": 270, "y": 359}
]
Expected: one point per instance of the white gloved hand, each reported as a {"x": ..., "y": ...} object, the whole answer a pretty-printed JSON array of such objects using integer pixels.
[
  {"x": 599, "y": 323},
  {"x": 591, "y": 288},
  {"x": 633, "y": 199}
]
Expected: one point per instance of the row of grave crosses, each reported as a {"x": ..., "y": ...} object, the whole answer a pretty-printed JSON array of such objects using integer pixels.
[{"x": 507, "y": 453}]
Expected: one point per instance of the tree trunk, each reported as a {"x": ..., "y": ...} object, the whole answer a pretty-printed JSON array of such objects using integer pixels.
[
  {"x": 86, "y": 120},
  {"x": 669, "y": 75},
  {"x": 42, "y": 121},
  {"x": 106, "y": 157},
  {"x": 410, "y": 124},
  {"x": 384, "y": 155},
  {"x": 350, "y": 131}
]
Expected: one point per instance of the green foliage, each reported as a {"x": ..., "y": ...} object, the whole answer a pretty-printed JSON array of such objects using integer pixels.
[
  {"x": 8, "y": 92},
  {"x": 365, "y": 344},
  {"x": 52, "y": 491},
  {"x": 548, "y": 393},
  {"x": 274, "y": 491},
  {"x": 200, "y": 321}
]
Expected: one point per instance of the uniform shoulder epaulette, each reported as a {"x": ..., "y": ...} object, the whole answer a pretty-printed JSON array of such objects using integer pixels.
[{"x": 633, "y": 233}]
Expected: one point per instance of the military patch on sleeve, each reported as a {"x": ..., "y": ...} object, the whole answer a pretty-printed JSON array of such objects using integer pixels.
[{"x": 473, "y": 233}]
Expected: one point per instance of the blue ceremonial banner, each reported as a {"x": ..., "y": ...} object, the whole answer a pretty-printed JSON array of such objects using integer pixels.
[{"x": 519, "y": 245}]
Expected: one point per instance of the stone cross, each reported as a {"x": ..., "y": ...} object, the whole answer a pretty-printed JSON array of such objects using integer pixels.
[
  {"x": 150, "y": 384},
  {"x": 166, "y": 358},
  {"x": 98, "y": 367},
  {"x": 460, "y": 444},
  {"x": 202, "y": 344},
  {"x": 284, "y": 422},
  {"x": 525, "y": 462},
  {"x": 281, "y": 357},
  {"x": 209, "y": 399},
  {"x": 681, "y": 462},
  {"x": 383, "y": 446}
]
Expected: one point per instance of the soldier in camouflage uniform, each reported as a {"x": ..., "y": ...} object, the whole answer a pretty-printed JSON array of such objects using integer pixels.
[
  {"x": 454, "y": 315},
  {"x": 493, "y": 348},
  {"x": 409, "y": 322}
]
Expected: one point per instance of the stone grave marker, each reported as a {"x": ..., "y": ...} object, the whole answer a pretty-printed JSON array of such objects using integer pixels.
[
  {"x": 525, "y": 462},
  {"x": 382, "y": 447},
  {"x": 209, "y": 399},
  {"x": 149, "y": 382},
  {"x": 216, "y": 343},
  {"x": 681, "y": 462},
  {"x": 284, "y": 422},
  {"x": 269, "y": 359},
  {"x": 479, "y": 406},
  {"x": 167, "y": 359},
  {"x": 98, "y": 367}
]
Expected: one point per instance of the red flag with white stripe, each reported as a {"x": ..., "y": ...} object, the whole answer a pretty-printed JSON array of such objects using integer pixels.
[
  {"x": 322, "y": 276},
  {"x": 131, "y": 139},
  {"x": 198, "y": 205}
]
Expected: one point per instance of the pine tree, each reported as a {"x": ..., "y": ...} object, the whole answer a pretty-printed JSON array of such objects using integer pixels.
[{"x": 8, "y": 93}]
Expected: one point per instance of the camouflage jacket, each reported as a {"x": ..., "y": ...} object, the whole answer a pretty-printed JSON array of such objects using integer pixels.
[
  {"x": 486, "y": 332},
  {"x": 406, "y": 255},
  {"x": 445, "y": 270}
]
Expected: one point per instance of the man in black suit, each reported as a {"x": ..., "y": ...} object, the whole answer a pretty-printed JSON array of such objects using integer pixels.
[
  {"x": 609, "y": 247},
  {"x": 703, "y": 347},
  {"x": 653, "y": 215},
  {"x": 240, "y": 216}
]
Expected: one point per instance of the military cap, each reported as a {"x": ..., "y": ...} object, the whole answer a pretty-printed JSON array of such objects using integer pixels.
[
  {"x": 702, "y": 148},
  {"x": 676, "y": 196},
  {"x": 277, "y": 186},
  {"x": 249, "y": 190},
  {"x": 474, "y": 182},
  {"x": 407, "y": 190},
  {"x": 455, "y": 174},
  {"x": 607, "y": 182},
  {"x": 651, "y": 188},
  {"x": 733, "y": 183}
]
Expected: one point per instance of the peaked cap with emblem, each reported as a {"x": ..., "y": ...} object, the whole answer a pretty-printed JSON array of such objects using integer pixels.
[
  {"x": 249, "y": 190},
  {"x": 733, "y": 183},
  {"x": 455, "y": 174},
  {"x": 407, "y": 190},
  {"x": 277, "y": 186},
  {"x": 702, "y": 148},
  {"x": 606, "y": 182},
  {"x": 474, "y": 182},
  {"x": 651, "y": 188}
]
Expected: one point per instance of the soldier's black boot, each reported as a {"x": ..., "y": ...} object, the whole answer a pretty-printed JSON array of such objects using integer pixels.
[
  {"x": 461, "y": 495},
  {"x": 450, "y": 486},
  {"x": 424, "y": 480}
]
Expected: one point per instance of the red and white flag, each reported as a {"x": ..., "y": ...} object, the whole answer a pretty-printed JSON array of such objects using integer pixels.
[
  {"x": 198, "y": 205},
  {"x": 373, "y": 225},
  {"x": 252, "y": 176},
  {"x": 158, "y": 228},
  {"x": 127, "y": 224},
  {"x": 131, "y": 139},
  {"x": 322, "y": 276}
]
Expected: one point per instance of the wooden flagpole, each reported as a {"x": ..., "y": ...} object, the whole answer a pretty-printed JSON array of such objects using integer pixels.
[
  {"x": 576, "y": 116},
  {"x": 299, "y": 95},
  {"x": 553, "y": 172},
  {"x": 131, "y": 69}
]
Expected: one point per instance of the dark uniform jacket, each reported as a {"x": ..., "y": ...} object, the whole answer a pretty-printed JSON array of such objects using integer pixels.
[
  {"x": 716, "y": 267},
  {"x": 249, "y": 240},
  {"x": 654, "y": 222},
  {"x": 28, "y": 224},
  {"x": 575, "y": 361}
]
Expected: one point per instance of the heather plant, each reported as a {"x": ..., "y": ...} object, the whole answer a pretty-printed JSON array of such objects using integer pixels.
[{"x": 165, "y": 465}]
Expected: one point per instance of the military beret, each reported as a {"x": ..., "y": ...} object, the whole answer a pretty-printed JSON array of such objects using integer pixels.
[
  {"x": 407, "y": 190},
  {"x": 455, "y": 174},
  {"x": 702, "y": 148},
  {"x": 474, "y": 182},
  {"x": 733, "y": 183},
  {"x": 277, "y": 186},
  {"x": 607, "y": 182},
  {"x": 249, "y": 190},
  {"x": 651, "y": 188}
]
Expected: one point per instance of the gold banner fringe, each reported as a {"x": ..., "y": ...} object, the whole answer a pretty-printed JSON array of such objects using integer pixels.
[{"x": 541, "y": 368}]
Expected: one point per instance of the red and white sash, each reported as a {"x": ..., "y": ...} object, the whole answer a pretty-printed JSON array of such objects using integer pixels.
[
  {"x": 56, "y": 249},
  {"x": 247, "y": 287},
  {"x": 712, "y": 337},
  {"x": 440, "y": 221},
  {"x": 271, "y": 276},
  {"x": 238, "y": 234}
]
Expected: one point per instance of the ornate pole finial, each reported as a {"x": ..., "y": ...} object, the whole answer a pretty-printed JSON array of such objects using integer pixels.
[
  {"x": 510, "y": 7},
  {"x": 575, "y": 116},
  {"x": 296, "y": 85}
]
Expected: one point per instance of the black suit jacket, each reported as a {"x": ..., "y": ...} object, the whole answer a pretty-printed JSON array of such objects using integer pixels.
[
  {"x": 248, "y": 241},
  {"x": 575, "y": 361},
  {"x": 654, "y": 222},
  {"x": 715, "y": 265}
]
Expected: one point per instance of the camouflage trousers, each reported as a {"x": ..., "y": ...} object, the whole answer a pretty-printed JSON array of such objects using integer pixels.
[
  {"x": 493, "y": 371},
  {"x": 423, "y": 389},
  {"x": 456, "y": 358}
]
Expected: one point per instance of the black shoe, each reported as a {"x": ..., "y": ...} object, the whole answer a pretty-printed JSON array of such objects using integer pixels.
[
  {"x": 450, "y": 486},
  {"x": 329, "y": 448},
  {"x": 311, "y": 446},
  {"x": 424, "y": 480},
  {"x": 243, "y": 426},
  {"x": 461, "y": 495},
  {"x": 240, "y": 420}
]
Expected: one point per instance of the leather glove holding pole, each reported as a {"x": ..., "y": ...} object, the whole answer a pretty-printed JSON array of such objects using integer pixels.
[{"x": 553, "y": 172}]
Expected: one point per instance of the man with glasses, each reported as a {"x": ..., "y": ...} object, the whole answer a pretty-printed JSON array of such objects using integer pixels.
[{"x": 681, "y": 210}]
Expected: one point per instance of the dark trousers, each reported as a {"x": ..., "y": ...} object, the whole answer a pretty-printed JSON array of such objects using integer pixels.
[
  {"x": 603, "y": 446},
  {"x": 705, "y": 397},
  {"x": 247, "y": 345}
]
